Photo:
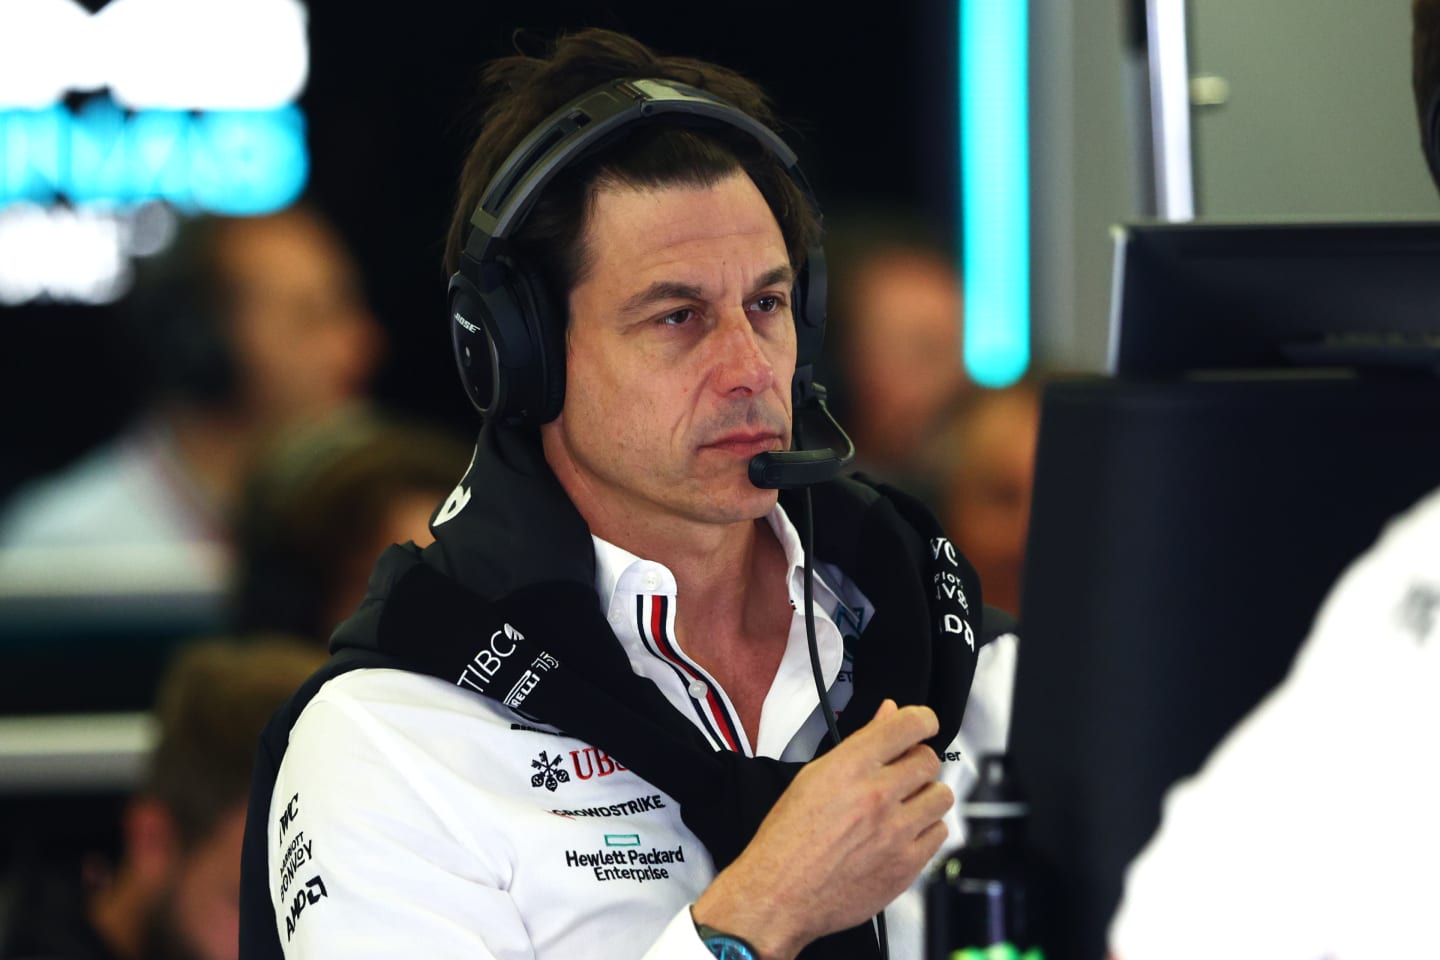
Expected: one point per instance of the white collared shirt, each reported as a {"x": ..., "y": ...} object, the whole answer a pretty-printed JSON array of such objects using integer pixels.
[
  {"x": 411, "y": 817},
  {"x": 639, "y": 597}
]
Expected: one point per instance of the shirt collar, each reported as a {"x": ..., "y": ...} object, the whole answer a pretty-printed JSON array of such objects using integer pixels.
[{"x": 620, "y": 574}]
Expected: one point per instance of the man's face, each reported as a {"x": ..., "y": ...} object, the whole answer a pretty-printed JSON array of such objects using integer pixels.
[
  {"x": 679, "y": 357},
  {"x": 904, "y": 362},
  {"x": 305, "y": 341},
  {"x": 198, "y": 916}
]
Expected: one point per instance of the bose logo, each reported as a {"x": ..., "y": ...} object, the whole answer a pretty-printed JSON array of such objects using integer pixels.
[
  {"x": 465, "y": 323},
  {"x": 482, "y": 668}
]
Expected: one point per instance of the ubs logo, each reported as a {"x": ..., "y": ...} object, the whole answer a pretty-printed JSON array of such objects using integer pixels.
[
  {"x": 594, "y": 762},
  {"x": 551, "y": 772}
]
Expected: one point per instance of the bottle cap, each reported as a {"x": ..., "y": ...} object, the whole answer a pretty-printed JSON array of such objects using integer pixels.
[{"x": 995, "y": 795}]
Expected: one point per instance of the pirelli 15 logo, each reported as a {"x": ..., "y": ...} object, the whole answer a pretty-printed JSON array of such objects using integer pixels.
[{"x": 488, "y": 662}]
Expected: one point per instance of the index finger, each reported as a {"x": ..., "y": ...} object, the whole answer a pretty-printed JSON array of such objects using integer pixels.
[{"x": 886, "y": 737}]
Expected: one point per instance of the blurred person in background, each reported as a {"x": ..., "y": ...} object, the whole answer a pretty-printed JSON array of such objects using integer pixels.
[
  {"x": 245, "y": 324},
  {"x": 894, "y": 345},
  {"x": 1311, "y": 832},
  {"x": 174, "y": 891},
  {"x": 979, "y": 464},
  {"x": 321, "y": 504}
]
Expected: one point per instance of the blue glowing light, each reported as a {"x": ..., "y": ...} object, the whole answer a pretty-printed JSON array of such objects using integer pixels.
[
  {"x": 238, "y": 162},
  {"x": 995, "y": 188}
]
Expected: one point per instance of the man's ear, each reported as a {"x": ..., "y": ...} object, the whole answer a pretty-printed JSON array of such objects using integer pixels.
[{"x": 152, "y": 842}]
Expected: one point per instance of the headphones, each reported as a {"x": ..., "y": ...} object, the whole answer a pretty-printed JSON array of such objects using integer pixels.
[{"x": 508, "y": 336}]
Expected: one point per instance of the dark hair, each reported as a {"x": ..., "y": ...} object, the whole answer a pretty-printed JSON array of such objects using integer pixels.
[
  {"x": 522, "y": 91},
  {"x": 317, "y": 495},
  {"x": 213, "y": 701},
  {"x": 1425, "y": 75}
]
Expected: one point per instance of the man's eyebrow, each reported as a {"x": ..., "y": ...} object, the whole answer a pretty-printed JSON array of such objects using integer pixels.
[
  {"x": 658, "y": 291},
  {"x": 673, "y": 290},
  {"x": 783, "y": 274}
]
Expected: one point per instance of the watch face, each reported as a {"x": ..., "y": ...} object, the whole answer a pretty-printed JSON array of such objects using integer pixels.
[{"x": 729, "y": 948}]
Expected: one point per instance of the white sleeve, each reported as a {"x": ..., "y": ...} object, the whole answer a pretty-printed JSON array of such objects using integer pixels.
[
  {"x": 369, "y": 856},
  {"x": 1277, "y": 847},
  {"x": 679, "y": 941},
  {"x": 365, "y": 861}
]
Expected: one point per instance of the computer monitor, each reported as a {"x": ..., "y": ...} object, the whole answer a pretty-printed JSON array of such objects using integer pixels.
[
  {"x": 1188, "y": 518},
  {"x": 1190, "y": 298}
]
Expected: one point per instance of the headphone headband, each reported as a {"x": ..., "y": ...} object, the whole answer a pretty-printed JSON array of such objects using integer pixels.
[{"x": 587, "y": 122}]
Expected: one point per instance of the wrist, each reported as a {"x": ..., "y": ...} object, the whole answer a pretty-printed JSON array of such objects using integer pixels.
[
  {"x": 725, "y": 945},
  {"x": 755, "y": 920}
]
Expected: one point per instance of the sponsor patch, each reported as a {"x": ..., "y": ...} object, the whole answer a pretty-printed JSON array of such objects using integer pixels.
[
  {"x": 625, "y": 858},
  {"x": 626, "y": 808},
  {"x": 551, "y": 773}
]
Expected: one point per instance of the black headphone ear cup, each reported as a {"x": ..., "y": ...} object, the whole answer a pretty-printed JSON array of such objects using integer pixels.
[
  {"x": 809, "y": 308},
  {"x": 546, "y": 327},
  {"x": 475, "y": 357}
]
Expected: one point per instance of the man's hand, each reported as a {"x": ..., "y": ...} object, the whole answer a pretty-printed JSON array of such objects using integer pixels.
[{"x": 850, "y": 834}]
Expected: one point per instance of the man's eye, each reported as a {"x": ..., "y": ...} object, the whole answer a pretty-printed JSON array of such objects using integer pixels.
[
  {"x": 769, "y": 304},
  {"x": 677, "y": 318}
]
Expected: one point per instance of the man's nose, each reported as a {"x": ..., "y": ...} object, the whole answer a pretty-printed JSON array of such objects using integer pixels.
[{"x": 743, "y": 366}]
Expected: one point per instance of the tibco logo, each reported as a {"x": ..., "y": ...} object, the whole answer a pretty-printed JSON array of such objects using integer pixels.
[{"x": 487, "y": 662}]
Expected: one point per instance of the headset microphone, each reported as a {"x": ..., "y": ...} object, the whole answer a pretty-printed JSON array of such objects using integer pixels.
[{"x": 821, "y": 447}]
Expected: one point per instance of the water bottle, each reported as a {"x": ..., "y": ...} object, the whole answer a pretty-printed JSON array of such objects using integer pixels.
[{"x": 979, "y": 901}]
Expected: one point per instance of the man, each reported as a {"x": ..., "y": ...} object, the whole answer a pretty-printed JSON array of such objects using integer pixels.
[
  {"x": 1311, "y": 830},
  {"x": 897, "y": 308},
  {"x": 246, "y": 325},
  {"x": 605, "y": 758},
  {"x": 981, "y": 462},
  {"x": 174, "y": 891}
]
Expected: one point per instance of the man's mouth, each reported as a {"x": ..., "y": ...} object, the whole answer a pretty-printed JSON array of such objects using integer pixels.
[{"x": 746, "y": 443}]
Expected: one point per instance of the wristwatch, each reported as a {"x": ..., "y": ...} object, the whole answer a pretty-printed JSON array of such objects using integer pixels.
[{"x": 726, "y": 946}]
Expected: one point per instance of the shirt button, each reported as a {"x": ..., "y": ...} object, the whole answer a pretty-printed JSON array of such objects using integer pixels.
[
  {"x": 616, "y": 616},
  {"x": 651, "y": 581},
  {"x": 698, "y": 690}
]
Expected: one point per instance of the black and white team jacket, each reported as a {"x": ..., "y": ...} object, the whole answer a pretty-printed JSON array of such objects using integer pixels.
[{"x": 402, "y": 807}]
